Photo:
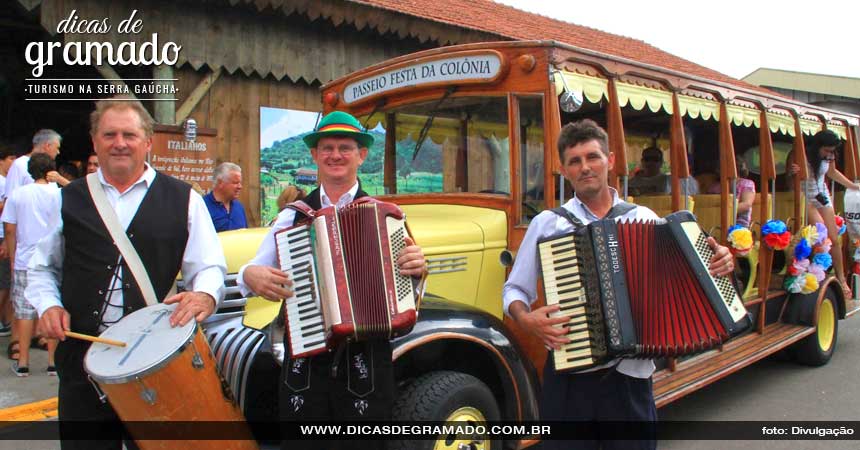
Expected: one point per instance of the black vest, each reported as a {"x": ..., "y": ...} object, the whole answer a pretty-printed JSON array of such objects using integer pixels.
[
  {"x": 158, "y": 231},
  {"x": 315, "y": 202}
]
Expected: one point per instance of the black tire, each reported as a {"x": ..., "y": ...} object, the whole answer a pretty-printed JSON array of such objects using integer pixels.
[
  {"x": 436, "y": 396},
  {"x": 811, "y": 350}
]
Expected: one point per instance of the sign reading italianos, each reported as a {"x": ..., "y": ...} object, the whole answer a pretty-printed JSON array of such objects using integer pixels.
[
  {"x": 474, "y": 67},
  {"x": 190, "y": 161}
]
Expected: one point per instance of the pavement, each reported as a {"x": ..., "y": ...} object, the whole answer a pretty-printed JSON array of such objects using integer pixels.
[
  {"x": 15, "y": 391},
  {"x": 29, "y": 398},
  {"x": 749, "y": 395}
]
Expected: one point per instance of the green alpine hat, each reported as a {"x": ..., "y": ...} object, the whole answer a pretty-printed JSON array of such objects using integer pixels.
[{"x": 339, "y": 123}]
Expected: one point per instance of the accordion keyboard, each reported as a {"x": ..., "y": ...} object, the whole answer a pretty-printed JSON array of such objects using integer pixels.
[
  {"x": 305, "y": 320},
  {"x": 563, "y": 286},
  {"x": 729, "y": 296}
]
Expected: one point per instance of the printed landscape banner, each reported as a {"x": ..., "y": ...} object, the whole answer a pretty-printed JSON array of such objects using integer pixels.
[{"x": 285, "y": 160}]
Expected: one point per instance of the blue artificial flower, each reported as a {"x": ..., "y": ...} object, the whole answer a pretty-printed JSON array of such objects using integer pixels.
[
  {"x": 802, "y": 250},
  {"x": 773, "y": 226},
  {"x": 823, "y": 259},
  {"x": 735, "y": 227}
]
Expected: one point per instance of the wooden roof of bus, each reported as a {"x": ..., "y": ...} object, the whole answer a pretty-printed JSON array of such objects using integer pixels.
[{"x": 561, "y": 54}]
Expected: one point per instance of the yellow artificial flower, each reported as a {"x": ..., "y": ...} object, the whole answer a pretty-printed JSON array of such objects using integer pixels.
[
  {"x": 811, "y": 284},
  {"x": 810, "y": 233},
  {"x": 741, "y": 239}
]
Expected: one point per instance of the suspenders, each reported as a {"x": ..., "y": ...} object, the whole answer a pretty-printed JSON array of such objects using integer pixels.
[{"x": 618, "y": 210}]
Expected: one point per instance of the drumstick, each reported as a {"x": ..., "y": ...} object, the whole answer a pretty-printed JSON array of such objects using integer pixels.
[{"x": 87, "y": 337}]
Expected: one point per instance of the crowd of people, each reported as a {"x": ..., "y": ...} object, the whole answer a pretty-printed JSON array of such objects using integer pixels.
[{"x": 29, "y": 201}]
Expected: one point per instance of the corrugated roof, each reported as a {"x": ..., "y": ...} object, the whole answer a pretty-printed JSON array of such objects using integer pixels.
[
  {"x": 512, "y": 23},
  {"x": 807, "y": 82}
]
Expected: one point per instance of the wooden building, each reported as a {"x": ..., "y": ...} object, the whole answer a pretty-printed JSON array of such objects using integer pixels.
[{"x": 827, "y": 91}]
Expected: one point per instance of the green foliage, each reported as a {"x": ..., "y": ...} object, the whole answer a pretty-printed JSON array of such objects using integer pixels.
[{"x": 280, "y": 163}]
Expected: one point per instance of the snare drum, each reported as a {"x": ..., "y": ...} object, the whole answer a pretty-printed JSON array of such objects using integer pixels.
[{"x": 164, "y": 374}]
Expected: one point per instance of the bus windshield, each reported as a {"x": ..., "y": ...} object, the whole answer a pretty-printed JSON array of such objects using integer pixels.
[{"x": 457, "y": 144}]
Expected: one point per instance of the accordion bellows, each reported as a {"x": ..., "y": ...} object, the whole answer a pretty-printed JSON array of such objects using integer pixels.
[
  {"x": 345, "y": 279},
  {"x": 637, "y": 289}
]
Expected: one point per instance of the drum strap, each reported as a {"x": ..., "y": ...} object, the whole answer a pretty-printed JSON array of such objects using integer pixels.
[{"x": 123, "y": 244}]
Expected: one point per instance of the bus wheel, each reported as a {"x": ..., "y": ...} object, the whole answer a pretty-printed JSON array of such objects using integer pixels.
[
  {"x": 816, "y": 349},
  {"x": 446, "y": 396}
]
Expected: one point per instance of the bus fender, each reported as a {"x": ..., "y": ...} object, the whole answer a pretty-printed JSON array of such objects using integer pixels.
[
  {"x": 445, "y": 328},
  {"x": 801, "y": 309}
]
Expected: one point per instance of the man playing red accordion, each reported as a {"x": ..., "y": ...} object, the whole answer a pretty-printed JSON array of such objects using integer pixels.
[{"x": 358, "y": 382}]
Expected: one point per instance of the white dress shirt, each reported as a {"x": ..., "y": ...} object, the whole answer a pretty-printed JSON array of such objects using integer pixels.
[
  {"x": 267, "y": 254},
  {"x": 17, "y": 176},
  {"x": 203, "y": 266},
  {"x": 522, "y": 282}
]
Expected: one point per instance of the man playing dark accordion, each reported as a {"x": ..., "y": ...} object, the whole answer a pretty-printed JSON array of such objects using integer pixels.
[{"x": 619, "y": 390}]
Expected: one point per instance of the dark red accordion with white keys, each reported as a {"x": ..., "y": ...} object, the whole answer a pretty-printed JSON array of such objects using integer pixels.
[
  {"x": 343, "y": 263},
  {"x": 637, "y": 289}
]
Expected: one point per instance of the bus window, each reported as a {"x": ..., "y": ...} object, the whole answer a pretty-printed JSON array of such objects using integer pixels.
[
  {"x": 454, "y": 145},
  {"x": 531, "y": 156}
]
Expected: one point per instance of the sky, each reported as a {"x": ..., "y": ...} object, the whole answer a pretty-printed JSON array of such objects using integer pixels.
[
  {"x": 733, "y": 37},
  {"x": 277, "y": 124}
]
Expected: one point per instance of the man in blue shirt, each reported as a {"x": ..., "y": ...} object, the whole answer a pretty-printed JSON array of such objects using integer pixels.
[{"x": 223, "y": 202}]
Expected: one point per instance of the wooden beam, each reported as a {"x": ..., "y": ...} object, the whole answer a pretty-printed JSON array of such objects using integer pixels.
[
  {"x": 552, "y": 128},
  {"x": 677, "y": 153},
  {"x": 196, "y": 95},
  {"x": 108, "y": 73},
  {"x": 852, "y": 132},
  {"x": 768, "y": 168},
  {"x": 389, "y": 162},
  {"x": 165, "y": 107},
  {"x": 728, "y": 170},
  {"x": 849, "y": 154},
  {"x": 462, "y": 176},
  {"x": 768, "y": 173},
  {"x": 798, "y": 154},
  {"x": 617, "y": 143}
]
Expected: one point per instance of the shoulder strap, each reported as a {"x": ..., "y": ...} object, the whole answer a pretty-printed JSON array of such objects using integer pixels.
[
  {"x": 619, "y": 210},
  {"x": 126, "y": 249},
  {"x": 563, "y": 212},
  {"x": 300, "y": 207}
]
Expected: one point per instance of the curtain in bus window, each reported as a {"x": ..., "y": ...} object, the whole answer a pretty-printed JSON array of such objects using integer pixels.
[
  {"x": 638, "y": 96},
  {"x": 810, "y": 126},
  {"x": 744, "y": 116},
  {"x": 695, "y": 107},
  {"x": 839, "y": 130},
  {"x": 591, "y": 88},
  {"x": 780, "y": 123}
]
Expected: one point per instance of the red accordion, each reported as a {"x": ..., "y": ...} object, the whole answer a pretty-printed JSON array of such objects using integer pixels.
[
  {"x": 637, "y": 289},
  {"x": 343, "y": 263}
]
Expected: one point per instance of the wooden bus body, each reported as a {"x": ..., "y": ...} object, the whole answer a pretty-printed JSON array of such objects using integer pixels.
[{"x": 467, "y": 146}]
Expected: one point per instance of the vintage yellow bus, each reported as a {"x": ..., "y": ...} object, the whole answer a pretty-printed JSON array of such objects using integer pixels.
[{"x": 467, "y": 139}]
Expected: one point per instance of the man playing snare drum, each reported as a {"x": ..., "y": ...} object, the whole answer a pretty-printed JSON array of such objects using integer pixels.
[{"x": 77, "y": 279}]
